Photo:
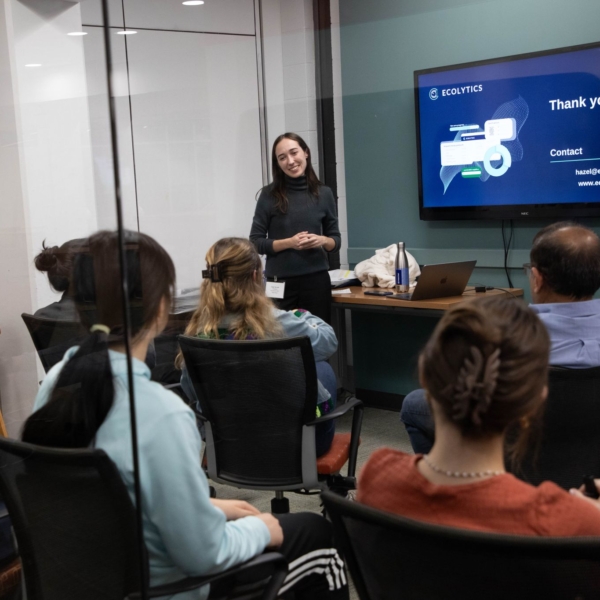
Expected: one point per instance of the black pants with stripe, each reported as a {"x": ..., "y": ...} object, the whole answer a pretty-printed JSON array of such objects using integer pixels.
[{"x": 316, "y": 570}]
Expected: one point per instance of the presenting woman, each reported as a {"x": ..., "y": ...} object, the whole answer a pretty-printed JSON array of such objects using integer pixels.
[{"x": 295, "y": 224}]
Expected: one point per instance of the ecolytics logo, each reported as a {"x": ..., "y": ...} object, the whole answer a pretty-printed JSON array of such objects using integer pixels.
[{"x": 433, "y": 94}]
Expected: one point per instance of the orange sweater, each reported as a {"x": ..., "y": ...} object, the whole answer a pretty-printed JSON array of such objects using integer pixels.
[{"x": 391, "y": 481}]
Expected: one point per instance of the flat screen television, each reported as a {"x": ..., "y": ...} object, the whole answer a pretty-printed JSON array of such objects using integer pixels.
[{"x": 509, "y": 138}]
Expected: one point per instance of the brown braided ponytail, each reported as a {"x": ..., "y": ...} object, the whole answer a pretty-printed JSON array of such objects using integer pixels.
[{"x": 486, "y": 365}]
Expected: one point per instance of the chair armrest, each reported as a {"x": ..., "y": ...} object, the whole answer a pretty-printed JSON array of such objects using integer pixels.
[
  {"x": 171, "y": 386},
  {"x": 337, "y": 412},
  {"x": 356, "y": 405},
  {"x": 270, "y": 564}
]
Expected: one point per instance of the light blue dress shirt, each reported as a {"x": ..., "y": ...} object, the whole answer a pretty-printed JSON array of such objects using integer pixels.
[
  {"x": 184, "y": 533},
  {"x": 574, "y": 329}
]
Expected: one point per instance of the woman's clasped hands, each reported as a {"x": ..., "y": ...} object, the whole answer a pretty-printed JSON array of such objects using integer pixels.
[{"x": 305, "y": 241}]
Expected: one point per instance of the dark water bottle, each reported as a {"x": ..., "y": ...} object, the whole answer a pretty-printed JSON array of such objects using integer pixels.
[{"x": 402, "y": 282}]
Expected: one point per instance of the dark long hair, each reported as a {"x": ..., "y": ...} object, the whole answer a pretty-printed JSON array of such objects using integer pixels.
[
  {"x": 278, "y": 187},
  {"x": 84, "y": 392}
]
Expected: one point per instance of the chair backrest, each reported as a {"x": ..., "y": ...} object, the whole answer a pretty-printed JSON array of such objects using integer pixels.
[
  {"x": 166, "y": 348},
  {"x": 257, "y": 396},
  {"x": 394, "y": 557},
  {"x": 73, "y": 520},
  {"x": 53, "y": 338},
  {"x": 567, "y": 447}
]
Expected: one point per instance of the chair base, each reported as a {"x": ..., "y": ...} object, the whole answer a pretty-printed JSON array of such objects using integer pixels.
[
  {"x": 340, "y": 484},
  {"x": 280, "y": 505}
]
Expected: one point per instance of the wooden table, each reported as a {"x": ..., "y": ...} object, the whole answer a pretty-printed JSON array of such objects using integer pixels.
[{"x": 385, "y": 305}]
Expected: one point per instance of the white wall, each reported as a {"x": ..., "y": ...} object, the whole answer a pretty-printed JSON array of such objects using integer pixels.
[
  {"x": 47, "y": 180},
  {"x": 289, "y": 42},
  {"x": 196, "y": 133},
  {"x": 189, "y": 129},
  {"x": 289, "y": 57},
  {"x": 339, "y": 128}
]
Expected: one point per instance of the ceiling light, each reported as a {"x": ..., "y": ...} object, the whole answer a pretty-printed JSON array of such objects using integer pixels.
[
  {"x": 77, "y": 33},
  {"x": 193, "y": 2},
  {"x": 126, "y": 32},
  {"x": 34, "y": 65}
]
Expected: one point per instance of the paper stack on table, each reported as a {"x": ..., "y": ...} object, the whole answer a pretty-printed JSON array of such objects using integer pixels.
[{"x": 343, "y": 277}]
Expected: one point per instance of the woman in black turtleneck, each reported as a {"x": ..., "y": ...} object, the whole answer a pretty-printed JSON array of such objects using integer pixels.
[{"x": 295, "y": 224}]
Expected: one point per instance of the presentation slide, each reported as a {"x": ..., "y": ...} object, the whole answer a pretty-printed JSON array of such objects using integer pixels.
[{"x": 515, "y": 132}]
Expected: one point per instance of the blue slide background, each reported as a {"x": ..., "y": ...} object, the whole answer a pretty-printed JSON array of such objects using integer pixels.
[{"x": 534, "y": 179}]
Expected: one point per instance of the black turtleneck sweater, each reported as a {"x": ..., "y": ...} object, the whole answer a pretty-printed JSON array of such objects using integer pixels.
[{"x": 305, "y": 213}]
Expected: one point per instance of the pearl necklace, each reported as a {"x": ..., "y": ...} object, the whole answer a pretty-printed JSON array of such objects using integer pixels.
[{"x": 468, "y": 475}]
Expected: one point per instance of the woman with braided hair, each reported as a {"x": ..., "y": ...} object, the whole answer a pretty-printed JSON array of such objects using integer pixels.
[{"x": 484, "y": 370}]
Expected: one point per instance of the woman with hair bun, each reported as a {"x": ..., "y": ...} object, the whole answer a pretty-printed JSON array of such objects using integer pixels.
[
  {"x": 484, "y": 370},
  {"x": 233, "y": 306},
  {"x": 57, "y": 263},
  {"x": 295, "y": 224}
]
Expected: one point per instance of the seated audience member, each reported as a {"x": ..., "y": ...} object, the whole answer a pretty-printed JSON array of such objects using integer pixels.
[
  {"x": 484, "y": 369},
  {"x": 57, "y": 263},
  {"x": 84, "y": 402},
  {"x": 564, "y": 275},
  {"x": 233, "y": 306}
]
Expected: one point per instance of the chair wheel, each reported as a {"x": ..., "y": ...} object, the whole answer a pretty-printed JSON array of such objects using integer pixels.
[{"x": 213, "y": 492}]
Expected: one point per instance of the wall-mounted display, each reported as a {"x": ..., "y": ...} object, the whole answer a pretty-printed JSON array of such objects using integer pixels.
[{"x": 510, "y": 138}]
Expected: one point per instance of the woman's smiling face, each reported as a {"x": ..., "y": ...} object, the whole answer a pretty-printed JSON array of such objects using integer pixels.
[{"x": 291, "y": 158}]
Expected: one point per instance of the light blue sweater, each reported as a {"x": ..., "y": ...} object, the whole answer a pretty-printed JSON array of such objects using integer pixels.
[{"x": 184, "y": 533}]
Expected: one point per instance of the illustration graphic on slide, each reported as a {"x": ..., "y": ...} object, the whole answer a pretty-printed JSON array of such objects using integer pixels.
[{"x": 481, "y": 153}]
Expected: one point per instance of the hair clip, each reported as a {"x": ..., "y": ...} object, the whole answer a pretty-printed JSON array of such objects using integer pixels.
[{"x": 212, "y": 273}]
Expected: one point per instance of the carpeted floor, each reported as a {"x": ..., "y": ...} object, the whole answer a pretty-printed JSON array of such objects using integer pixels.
[{"x": 379, "y": 428}]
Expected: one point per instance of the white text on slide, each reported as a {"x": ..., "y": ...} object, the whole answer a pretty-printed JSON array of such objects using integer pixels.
[
  {"x": 465, "y": 89},
  {"x": 567, "y": 152},
  {"x": 580, "y": 102}
]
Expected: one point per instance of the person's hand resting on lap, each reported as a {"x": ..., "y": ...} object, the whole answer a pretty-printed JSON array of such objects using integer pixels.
[{"x": 581, "y": 494}]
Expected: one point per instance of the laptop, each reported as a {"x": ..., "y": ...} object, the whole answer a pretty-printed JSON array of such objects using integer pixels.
[{"x": 441, "y": 281}]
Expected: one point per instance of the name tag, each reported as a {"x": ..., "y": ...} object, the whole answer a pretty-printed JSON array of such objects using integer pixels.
[{"x": 275, "y": 289}]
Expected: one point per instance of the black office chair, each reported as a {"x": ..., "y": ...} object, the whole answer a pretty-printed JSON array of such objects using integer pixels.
[
  {"x": 258, "y": 401},
  {"x": 76, "y": 530},
  {"x": 391, "y": 557},
  {"x": 53, "y": 338},
  {"x": 567, "y": 445},
  {"x": 166, "y": 349}
]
